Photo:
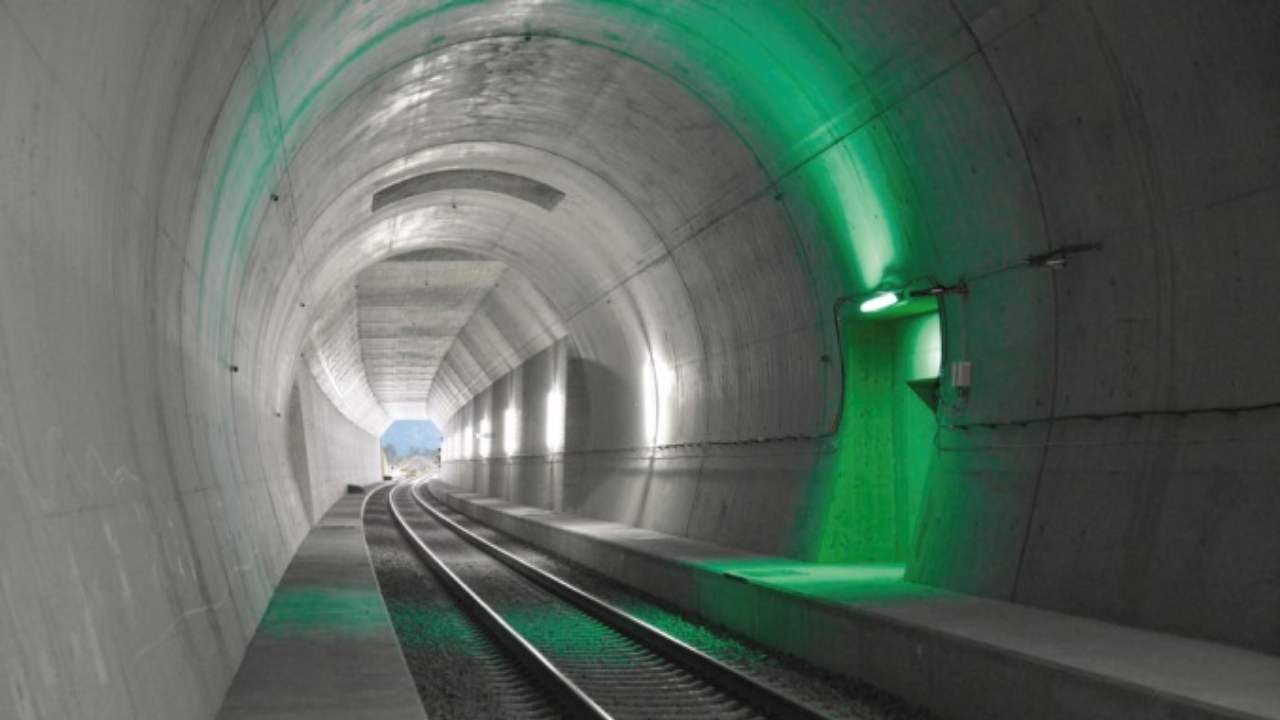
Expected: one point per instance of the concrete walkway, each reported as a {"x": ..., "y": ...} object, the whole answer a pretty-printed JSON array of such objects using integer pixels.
[
  {"x": 963, "y": 657},
  {"x": 325, "y": 648}
]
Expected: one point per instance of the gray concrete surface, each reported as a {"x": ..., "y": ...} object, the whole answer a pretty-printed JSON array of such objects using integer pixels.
[
  {"x": 326, "y": 647},
  {"x": 961, "y": 656},
  {"x": 185, "y": 184},
  {"x": 338, "y": 451}
]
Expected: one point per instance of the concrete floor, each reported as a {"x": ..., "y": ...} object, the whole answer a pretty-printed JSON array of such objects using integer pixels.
[{"x": 325, "y": 649}]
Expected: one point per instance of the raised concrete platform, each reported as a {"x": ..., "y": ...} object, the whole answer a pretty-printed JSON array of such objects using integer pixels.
[
  {"x": 961, "y": 656},
  {"x": 325, "y": 648}
]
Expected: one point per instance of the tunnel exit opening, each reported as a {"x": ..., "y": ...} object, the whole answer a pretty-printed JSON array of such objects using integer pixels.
[
  {"x": 411, "y": 449},
  {"x": 875, "y": 481}
]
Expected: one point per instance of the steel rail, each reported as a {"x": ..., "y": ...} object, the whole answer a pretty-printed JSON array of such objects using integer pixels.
[
  {"x": 756, "y": 694},
  {"x": 578, "y": 703}
]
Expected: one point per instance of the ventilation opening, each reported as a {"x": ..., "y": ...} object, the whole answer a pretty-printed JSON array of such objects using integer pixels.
[{"x": 516, "y": 186}]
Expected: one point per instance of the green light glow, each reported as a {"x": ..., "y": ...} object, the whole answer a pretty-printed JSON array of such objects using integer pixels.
[
  {"x": 311, "y": 609},
  {"x": 435, "y": 628},
  {"x": 865, "y": 497},
  {"x": 881, "y": 301},
  {"x": 732, "y": 593}
]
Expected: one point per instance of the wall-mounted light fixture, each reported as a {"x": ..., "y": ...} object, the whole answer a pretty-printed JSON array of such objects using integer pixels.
[
  {"x": 882, "y": 300},
  {"x": 879, "y": 302}
]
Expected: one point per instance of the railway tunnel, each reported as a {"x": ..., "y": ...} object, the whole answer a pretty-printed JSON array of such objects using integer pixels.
[{"x": 926, "y": 343}]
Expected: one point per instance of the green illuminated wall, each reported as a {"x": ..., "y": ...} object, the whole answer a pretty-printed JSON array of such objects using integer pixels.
[{"x": 867, "y": 492}]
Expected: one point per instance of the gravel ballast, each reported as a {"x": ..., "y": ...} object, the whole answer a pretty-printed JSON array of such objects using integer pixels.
[{"x": 458, "y": 670}]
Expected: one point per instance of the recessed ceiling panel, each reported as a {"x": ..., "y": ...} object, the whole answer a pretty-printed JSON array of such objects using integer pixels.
[{"x": 516, "y": 186}]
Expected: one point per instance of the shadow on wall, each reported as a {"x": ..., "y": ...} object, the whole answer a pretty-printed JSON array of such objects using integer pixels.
[
  {"x": 326, "y": 450},
  {"x": 297, "y": 447},
  {"x": 617, "y": 399}
]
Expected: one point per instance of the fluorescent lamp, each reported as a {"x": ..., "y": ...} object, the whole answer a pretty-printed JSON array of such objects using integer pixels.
[{"x": 881, "y": 301}]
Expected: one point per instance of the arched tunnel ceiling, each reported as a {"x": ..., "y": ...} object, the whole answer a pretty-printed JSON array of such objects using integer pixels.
[
  {"x": 411, "y": 309},
  {"x": 599, "y": 105},
  {"x": 561, "y": 131},
  {"x": 685, "y": 156},
  {"x": 382, "y": 338},
  {"x": 728, "y": 171}
]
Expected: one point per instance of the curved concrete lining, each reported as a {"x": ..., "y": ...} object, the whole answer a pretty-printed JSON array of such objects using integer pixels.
[{"x": 185, "y": 193}]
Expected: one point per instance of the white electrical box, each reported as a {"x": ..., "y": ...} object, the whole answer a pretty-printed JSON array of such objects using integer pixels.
[{"x": 961, "y": 374}]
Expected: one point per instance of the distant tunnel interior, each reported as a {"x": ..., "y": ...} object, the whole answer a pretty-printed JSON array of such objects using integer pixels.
[{"x": 620, "y": 251}]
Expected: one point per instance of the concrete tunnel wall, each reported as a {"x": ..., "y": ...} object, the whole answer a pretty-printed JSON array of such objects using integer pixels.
[
  {"x": 326, "y": 450},
  {"x": 726, "y": 179}
]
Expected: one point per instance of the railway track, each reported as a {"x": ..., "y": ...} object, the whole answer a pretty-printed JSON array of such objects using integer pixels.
[
  {"x": 460, "y": 672},
  {"x": 591, "y": 659}
]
